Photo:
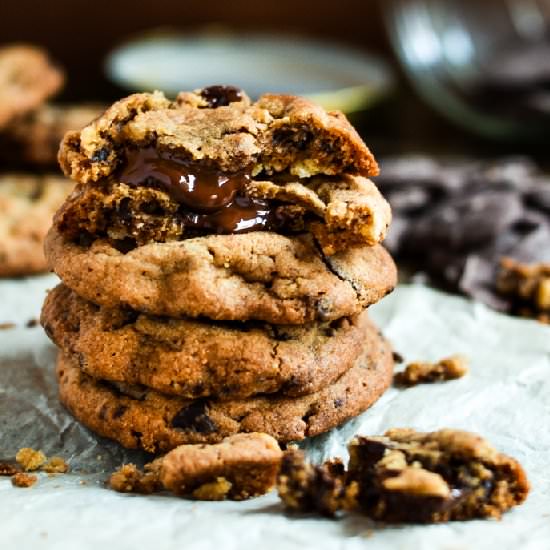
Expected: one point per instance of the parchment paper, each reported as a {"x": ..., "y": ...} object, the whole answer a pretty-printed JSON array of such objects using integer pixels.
[{"x": 506, "y": 398}]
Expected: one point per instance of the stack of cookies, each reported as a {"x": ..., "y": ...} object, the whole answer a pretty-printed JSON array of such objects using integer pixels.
[{"x": 217, "y": 257}]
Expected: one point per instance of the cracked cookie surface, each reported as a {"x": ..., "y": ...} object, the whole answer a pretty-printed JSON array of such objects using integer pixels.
[
  {"x": 194, "y": 358},
  {"x": 27, "y": 205},
  {"x": 27, "y": 78},
  {"x": 136, "y": 416},
  {"x": 261, "y": 275}
]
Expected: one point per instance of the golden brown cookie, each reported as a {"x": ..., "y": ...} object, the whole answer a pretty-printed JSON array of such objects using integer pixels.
[
  {"x": 34, "y": 138},
  {"x": 213, "y": 162},
  {"x": 27, "y": 78},
  {"x": 221, "y": 126},
  {"x": 138, "y": 417},
  {"x": 27, "y": 205},
  {"x": 196, "y": 358},
  {"x": 409, "y": 476},
  {"x": 261, "y": 275},
  {"x": 341, "y": 212},
  {"x": 240, "y": 467}
]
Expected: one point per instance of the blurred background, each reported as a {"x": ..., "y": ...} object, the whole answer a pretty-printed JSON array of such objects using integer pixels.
[{"x": 425, "y": 57}]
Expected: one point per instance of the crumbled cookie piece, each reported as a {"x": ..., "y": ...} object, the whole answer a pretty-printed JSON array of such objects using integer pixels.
[
  {"x": 7, "y": 326},
  {"x": 7, "y": 469},
  {"x": 240, "y": 467},
  {"x": 304, "y": 487},
  {"x": 214, "y": 490},
  {"x": 528, "y": 285},
  {"x": 30, "y": 459},
  {"x": 130, "y": 479},
  {"x": 55, "y": 465},
  {"x": 450, "y": 368},
  {"x": 408, "y": 476},
  {"x": 21, "y": 479}
]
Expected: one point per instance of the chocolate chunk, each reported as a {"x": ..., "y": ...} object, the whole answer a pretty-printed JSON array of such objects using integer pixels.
[
  {"x": 101, "y": 155},
  {"x": 119, "y": 411},
  {"x": 194, "y": 418},
  {"x": 221, "y": 96}
]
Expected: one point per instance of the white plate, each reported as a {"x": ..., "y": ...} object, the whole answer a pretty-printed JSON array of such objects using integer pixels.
[{"x": 337, "y": 76}]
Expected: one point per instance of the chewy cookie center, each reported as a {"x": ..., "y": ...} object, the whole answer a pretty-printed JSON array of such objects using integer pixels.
[{"x": 210, "y": 199}]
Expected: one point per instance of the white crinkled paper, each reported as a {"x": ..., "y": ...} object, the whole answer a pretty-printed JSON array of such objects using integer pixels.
[{"x": 506, "y": 398}]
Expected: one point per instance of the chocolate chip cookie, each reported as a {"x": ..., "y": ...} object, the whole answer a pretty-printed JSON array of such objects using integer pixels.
[
  {"x": 34, "y": 138},
  {"x": 408, "y": 476},
  {"x": 27, "y": 78},
  {"x": 137, "y": 416},
  {"x": 221, "y": 126},
  {"x": 27, "y": 205},
  {"x": 260, "y": 275},
  {"x": 196, "y": 358},
  {"x": 213, "y": 162},
  {"x": 240, "y": 467}
]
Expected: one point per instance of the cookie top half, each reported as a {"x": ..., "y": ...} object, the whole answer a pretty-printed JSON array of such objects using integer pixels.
[{"x": 213, "y": 162}]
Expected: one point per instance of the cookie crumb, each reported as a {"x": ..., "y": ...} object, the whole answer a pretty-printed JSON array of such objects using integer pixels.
[
  {"x": 7, "y": 326},
  {"x": 30, "y": 459},
  {"x": 130, "y": 479},
  {"x": 21, "y": 479},
  {"x": 304, "y": 487},
  {"x": 449, "y": 368},
  {"x": 215, "y": 490},
  {"x": 528, "y": 286},
  {"x": 55, "y": 465},
  {"x": 7, "y": 469},
  {"x": 31, "y": 323}
]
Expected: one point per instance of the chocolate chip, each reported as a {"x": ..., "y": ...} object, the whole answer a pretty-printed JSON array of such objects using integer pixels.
[
  {"x": 338, "y": 403},
  {"x": 103, "y": 411},
  {"x": 194, "y": 418},
  {"x": 101, "y": 155},
  {"x": 397, "y": 357},
  {"x": 290, "y": 137},
  {"x": 221, "y": 96},
  {"x": 119, "y": 411},
  {"x": 125, "y": 245}
]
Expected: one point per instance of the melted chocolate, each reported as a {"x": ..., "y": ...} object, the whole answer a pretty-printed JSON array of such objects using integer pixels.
[{"x": 211, "y": 200}]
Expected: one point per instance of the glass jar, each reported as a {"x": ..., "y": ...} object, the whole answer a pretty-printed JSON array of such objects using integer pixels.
[{"x": 483, "y": 63}]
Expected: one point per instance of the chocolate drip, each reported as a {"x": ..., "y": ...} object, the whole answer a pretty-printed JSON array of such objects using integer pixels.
[{"x": 211, "y": 200}]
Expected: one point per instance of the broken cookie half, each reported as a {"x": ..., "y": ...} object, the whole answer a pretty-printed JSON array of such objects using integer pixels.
[
  {"x": 213, "y": 162},
  {"x": 240, "y": 467},
  {"x": 408, "y": 476}
]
